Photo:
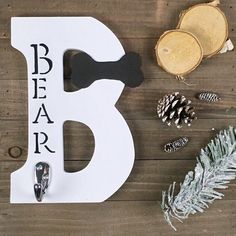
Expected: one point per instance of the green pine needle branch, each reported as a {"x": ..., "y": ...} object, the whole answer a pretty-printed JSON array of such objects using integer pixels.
[{"x": 216, "y": 167}]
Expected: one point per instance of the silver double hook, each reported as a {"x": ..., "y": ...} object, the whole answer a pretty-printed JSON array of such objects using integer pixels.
[{"x": 41, "y": 180}]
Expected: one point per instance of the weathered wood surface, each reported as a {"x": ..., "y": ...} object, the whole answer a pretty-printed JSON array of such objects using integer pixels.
[
  {"x": 121, "y": 218},
  {"x": 129, "y": 19},
  {"x": 135, "y": 104},
  {"x": 135, "y": 209},
  {"x": 145, "y": 47},
  {"x": 146, "y": 182},
  {"x": 149, "y": 138}
]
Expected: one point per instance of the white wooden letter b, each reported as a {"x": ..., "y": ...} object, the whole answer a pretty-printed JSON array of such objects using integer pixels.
[{"x": 43, "y": 41}]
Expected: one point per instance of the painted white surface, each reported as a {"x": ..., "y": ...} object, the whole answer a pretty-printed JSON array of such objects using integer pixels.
[{"x": 94, "y": 106}]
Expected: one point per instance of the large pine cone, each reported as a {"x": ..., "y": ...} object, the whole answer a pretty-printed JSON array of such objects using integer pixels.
[{"x": 175, "y": 108}]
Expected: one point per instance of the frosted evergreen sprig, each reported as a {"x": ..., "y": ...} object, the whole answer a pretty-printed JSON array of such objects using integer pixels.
[{"x": 216, "y": 167}]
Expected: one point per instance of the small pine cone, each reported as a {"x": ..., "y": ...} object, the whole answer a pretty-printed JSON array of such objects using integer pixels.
[
  {"x": 175, "y": 145},
  {"x": 175, "y": 108},
  {"x": 209, "y": 97}
]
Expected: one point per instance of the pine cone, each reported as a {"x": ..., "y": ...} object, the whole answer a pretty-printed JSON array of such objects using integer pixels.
[
  {"x": 209, "y": 97},
  {"x": 175, "y": 145},
  {"x": 175, "y": 108}
]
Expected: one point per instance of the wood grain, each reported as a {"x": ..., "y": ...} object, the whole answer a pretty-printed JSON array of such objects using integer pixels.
[
  {"x": 129, "y": 19},
  {"x": 139, "y": 103},
  {"x": 149, "y": 139},
  {"x": 145, "y": 47},
  {"x": 134, "y": 210},
  {"x": 122, "y": 218},
  {"x": 147, "y": 180}
]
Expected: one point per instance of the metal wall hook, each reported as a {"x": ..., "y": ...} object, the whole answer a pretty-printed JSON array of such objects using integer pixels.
[{"x": 41, "y": 179}]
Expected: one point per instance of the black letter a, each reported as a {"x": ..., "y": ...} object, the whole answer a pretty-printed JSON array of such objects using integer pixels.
[{"x": 42, "y": 108}]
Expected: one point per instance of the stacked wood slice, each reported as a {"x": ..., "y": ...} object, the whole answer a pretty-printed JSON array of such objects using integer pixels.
[
  {"x": 178, "y": 52},
  {"x": 202, "y": 32}
]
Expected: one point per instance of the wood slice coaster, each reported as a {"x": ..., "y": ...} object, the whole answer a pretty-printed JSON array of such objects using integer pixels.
[
  {"x": 178, "y": 52},
  {"x": 209, "y": 24}
]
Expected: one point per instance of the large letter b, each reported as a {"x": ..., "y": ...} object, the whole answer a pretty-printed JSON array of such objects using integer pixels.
[{"x": 43, "y": 41}]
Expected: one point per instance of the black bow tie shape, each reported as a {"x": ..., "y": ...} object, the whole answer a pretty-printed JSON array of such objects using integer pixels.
[{"x": 85, "y": 70}]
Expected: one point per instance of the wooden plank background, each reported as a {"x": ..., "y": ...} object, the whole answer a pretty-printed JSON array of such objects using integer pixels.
[{"x": 135, "y": 209}]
